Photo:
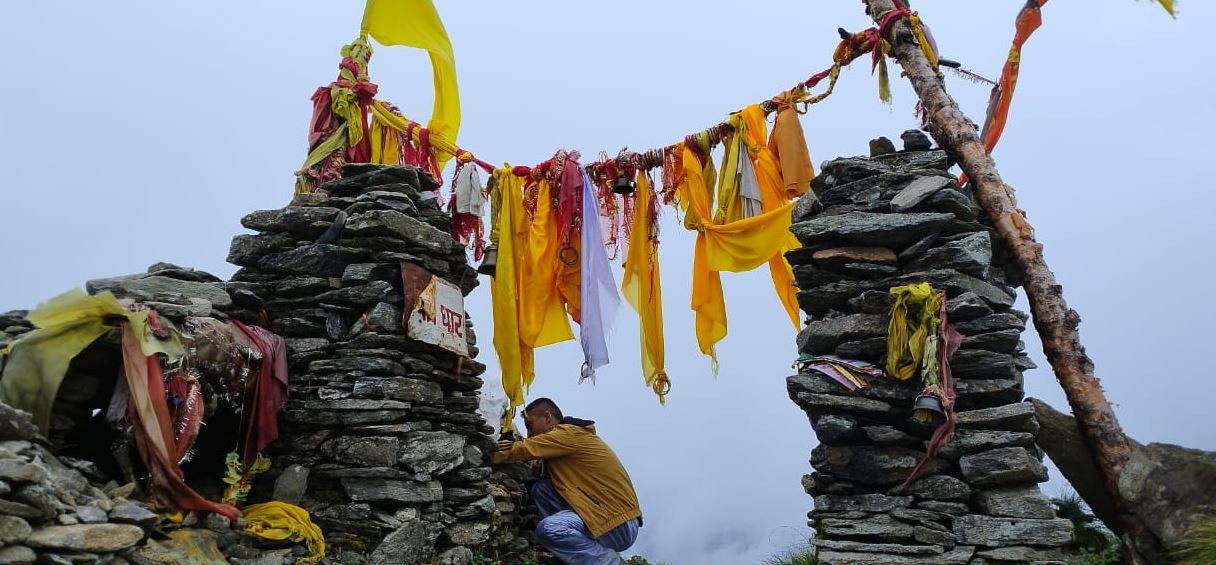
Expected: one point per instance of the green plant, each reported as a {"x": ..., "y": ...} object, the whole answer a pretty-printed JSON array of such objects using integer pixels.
[
  {"x": 1199, "y": 543},
  {"x": 1096, "y": 544},
  {"x": 793, "y": 556}
]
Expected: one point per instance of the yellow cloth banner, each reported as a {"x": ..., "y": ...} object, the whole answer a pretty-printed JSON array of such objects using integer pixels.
[
  {"x": 735, "y": 246},
  {"x": 641, "y": 287},
  {"x": 283, "y": 521},
  {"x": 914, "y": 317},
  {"x": 514, "y": 358},
  {"x": 416, "y": 23},
  {"x": 65, "y": 326}
]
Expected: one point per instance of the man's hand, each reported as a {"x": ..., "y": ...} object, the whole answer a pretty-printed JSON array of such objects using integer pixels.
[{"x": 505, "y": 445}]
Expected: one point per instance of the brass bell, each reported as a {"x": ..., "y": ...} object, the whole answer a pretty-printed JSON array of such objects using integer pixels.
[
  {"x": 489, "y": 261},
  {"x": 623, "y": 185},
  {"x": 928, "y": 409}
]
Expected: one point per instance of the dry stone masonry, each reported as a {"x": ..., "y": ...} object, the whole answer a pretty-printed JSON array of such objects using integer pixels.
[
  {"x": 381, "y": 439},
  {"x": 899, "y": 218}
]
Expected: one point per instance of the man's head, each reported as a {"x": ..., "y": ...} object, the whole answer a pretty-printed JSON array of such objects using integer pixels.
[{"x": 541, "y": 416}]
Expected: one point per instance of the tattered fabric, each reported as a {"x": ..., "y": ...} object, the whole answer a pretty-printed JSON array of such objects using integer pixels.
[
  {"x": 150, "y": 422},
  {"x": 64, "y": 326},
  {"x": 269, "y": 391},
  {"x": 736, "y": 246},
  {"x": 914, "y": 317},
  {"x": 788, "y": 144},
  {"x": 641, "y": 285},
  {"x": 282, "y": 521},
  {"x": 598, "y": 301}
]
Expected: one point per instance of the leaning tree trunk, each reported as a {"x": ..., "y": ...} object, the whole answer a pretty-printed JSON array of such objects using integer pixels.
[{"x": 1055, "y": 322}]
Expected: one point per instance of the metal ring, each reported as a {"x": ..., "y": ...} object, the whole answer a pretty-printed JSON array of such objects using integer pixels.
[{"x": 568, "y": 255}]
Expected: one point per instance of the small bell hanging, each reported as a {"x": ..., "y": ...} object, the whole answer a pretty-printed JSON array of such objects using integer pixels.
[
  {"x": 489, "y": 261},
  {"x": 623, "y": 185},
  {"x": 928, "y": 409}
]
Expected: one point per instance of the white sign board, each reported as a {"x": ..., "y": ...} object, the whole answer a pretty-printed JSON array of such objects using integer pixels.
[{"x": 438, "y": 317}]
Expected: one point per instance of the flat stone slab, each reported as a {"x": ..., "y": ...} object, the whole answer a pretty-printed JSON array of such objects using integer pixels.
[
  {"x": 93, "y": 538},
  {"x": 1006, "y": 465},
  {"x": 870, "y": 229},
  {"x": 988, "y": 531}
]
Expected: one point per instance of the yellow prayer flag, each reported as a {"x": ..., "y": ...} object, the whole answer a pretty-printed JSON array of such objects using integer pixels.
[{"x": 415, "y": 23}]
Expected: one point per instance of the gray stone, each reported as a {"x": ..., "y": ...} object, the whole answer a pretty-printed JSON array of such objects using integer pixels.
[
  {"x": 16, "y": 425},
  {"x": 870, "y": 465},
  {"x": 360, "y": 273},
  {"x": 872, "y": 302},
  {"x": 1024, "y": 554},
  {"x": 936, "y": 487},
  {"x": 865, "y": 228},
  {"x": 864, "y": 191},
  {"x": 395, "y": 224},
  {"x": 200, "y": 308},
  {"x": 936, "y": 537},
  {"x": 384, "y": 318},
  {"x": 1002, "y": 466},
  {"x": 364, "y": 365},
  {"x": 836, "y": 257},
  {"x": 5, "y": 488},
  {"x": 90, "y": 514},
  {"x": 989, "y": 531},
  {"x": 889, "y": 435},
  {"x": 133, "y": 513},
  {"x": 821, "y": 403},
  {"x": 891, "y": 548},
  {"x": 21, "y": 510},
  {"x": 867, "y": 349},
  {"x": 1018, "y": 417},
  {"x": 247, "y": 249},
  {"x": 835, "y": 296},
  {"x": 881, "y": 146},
  {"x": 432, "y": 453},
  {"x": 915, "y": 140},
  {"x": 98, "y": 538},
  {"x": 953, "y": 202},
  {"x": 808, "y": 205},
  {"x": 13, "y": 530},
  {"x": 362, "y": 295},
  {"x": 954, "y": 508},
  {"x": 913, "y": 251},
  {"x": 878, "y": 527},
  {"x": 368, "y": 451},
  {"x": 468, "y": 533},
  {"x": 971, "y": 255},
  {"x": 922, "y": 163},
  {"x": 966, "y": 442},
  {"x": 960, "y": 555},
  {"x": 862, "y": 502},
  {"x": 17, "y": 471},
  {"x": 845, "y": 170},
  {"x": 991, "y": 323},
  {"x": 392, "y": 491},
  {"x": 1004, "y": 341},
  {"x": 399, "y": 388},
  {"x": 966, "y": 306},
  {"x": 833, "y": 429},
  {"x": 1015, "y": 502},
  {"x": 304, "y": 286},
  {"x": 146, "y": 286},
  {"x": 321, "y": 259},
  {"x": 826, "y": 334},
  {"x": 982, "y": 364},
  {"x": 458, "y": 555},
  {"x": 984, "y": 393},
  {"x": 917, "y": 191},
  {"x": 17, "y": 555},
  {"x": 411, "y": 543},
  {"x": 306, "y": 222}
]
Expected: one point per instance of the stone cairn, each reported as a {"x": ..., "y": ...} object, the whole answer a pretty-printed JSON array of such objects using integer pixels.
[
  {"x": 898, "y": 218},
  {"x": 381, "y": 437}
]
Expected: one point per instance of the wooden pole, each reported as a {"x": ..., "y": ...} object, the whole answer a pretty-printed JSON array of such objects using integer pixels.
[{"x": 1054, "y": 320}]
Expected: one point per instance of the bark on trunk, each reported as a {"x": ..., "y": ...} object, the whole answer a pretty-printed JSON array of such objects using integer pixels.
[{"x": 1054, "y": 320}]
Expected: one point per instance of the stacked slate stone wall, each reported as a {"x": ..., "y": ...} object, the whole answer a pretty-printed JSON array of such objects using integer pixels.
[
  {"x": 899, "y": 218},
  {"x": 381, "y": 436}
]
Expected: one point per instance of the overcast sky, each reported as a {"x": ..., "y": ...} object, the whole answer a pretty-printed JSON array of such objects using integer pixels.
[{"x": 139, "y": 131}]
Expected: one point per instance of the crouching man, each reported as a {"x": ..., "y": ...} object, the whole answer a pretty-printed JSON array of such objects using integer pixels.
[{"x": 589, "y": 510}]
